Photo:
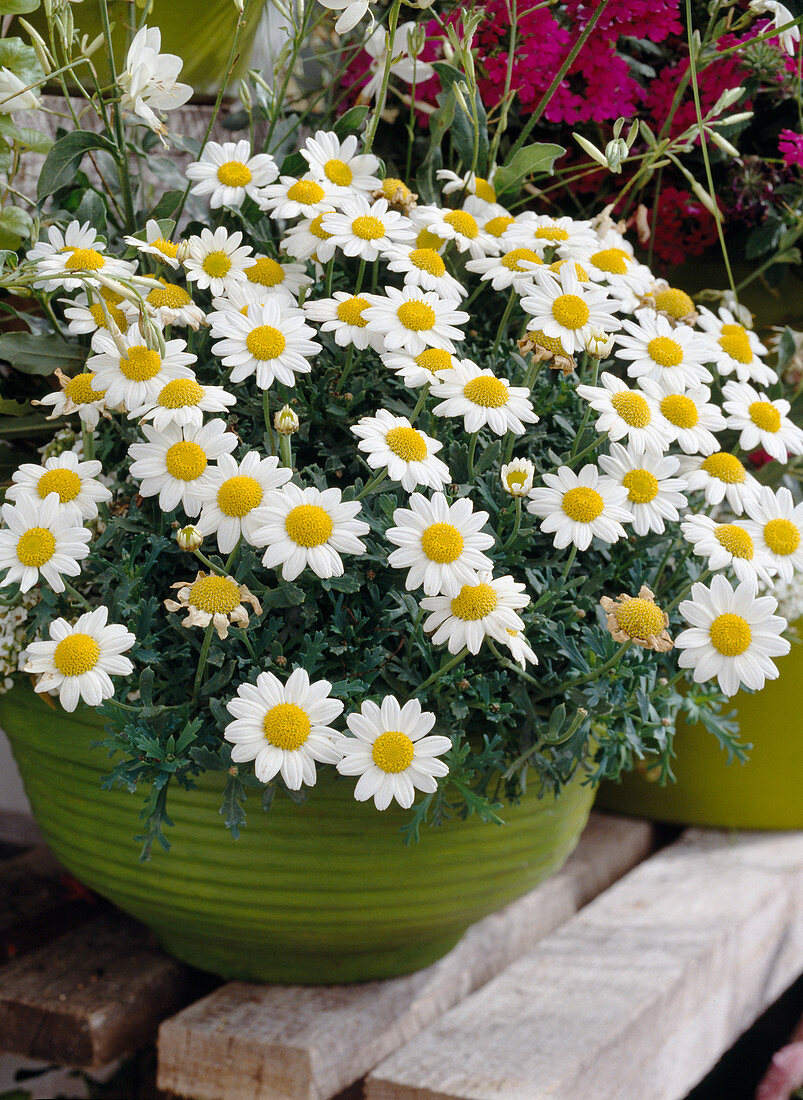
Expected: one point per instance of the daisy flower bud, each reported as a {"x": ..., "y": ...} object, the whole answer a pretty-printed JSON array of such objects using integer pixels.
[
  {"x": 517, "y": 477},
  {"x": 592, "y": 150},
  {"x": 189, "y": 538},
  {"x": 616, "y": 153},
  {"x": 599, "y": 344},
  {"x": 182, "y": 251},
  {"x": 286, "y": 421},
  {"x": 723, "y": 143}
]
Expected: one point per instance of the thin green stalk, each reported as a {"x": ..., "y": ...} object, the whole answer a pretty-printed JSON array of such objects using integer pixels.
[
  {"x": 511, "y": 301},
  {"x": 597, "y": 672},
  {"x": 703, "y": 577},
  {"x": 373, "y": 125},
  {"x": 209, "y": 564},
  {"x": 199, "y": 675},
  {"x": 507, "y": 98},
  {"x": 286, "y": 450},
  {"x": 119, "y": 132},
  {"x": 445, "y": 667},
  {"x": 516, "y": 525},
  {"x": 472, "y": 448},
  {"x": 372, "y": 484},
  {"x": 76, "y": 595},
  {"x": 569, "y": 562},
  {"x": 422, "y": 397},
  {"x": 88, "y": 440}
]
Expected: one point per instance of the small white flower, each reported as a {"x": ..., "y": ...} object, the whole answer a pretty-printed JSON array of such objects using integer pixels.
[
  {"x": 267, "y": 277},
  {"x": 170, "y": 304},
  {"x": 424, "y": 267},
  {"x": 73, "y": 482},
  {"x": 231, "y": 498},
  {"x": 136, "y": 377},
  {"x": 599, "y": 344},
  {"x": 77, "y": 249},
  {"x": 735, "y": 348},
  {"x": 485, "y": 609},
  {"x": 419, "y": 370},
  {"x": 726, "y": 544},
  {"x": 391, "y": 753},
  {"x": 517, "y": 477},
  {"x": 155, "y": 244},
  {"x": 689, "y": 419},
  {"x": 308, "y": 240},
  {"x": 625, "y": 412},
  {"x": 455, "y": 225},
  {"x": 733, "y": 635},
  {"x": 366, "y": 229},
  {"x": 412, "y": 320},
  {"x": 271, "y": 341},
  {"x": 409, "y": 454},
  {"x": 342, "y": 315},
  {"x": 175, "y": 463},
  {"x": 41, "y": 540},
  {"x": 339, "y": 162},
  {"x": 762, "y": 423},
  {"x": 149, "y": 81},
  {"x": 653, "y": 494},
  {"x": 719, "y": 475},
  {"x": 513, "y": 268},
  {"x": 469, "y": 183},
  {"x": 671, "y": 355},
  {"x": 286, "y": 421},
  {"x": 216, "y": 260},
  {"x": 403, "y": 66},
  {"x": 293, "y": 198},
  {"x": 616, "y": 266},
  {"x": 284, "y": 728},
  {"x": 776, "y": 526},
  {"x": 520, "y": 649},
  {"x": 564, "y": 310},
  {"x": 482, "y": 399},
  {"x": 569, "y": 238},
  {"x": 353, "y": 11},
  {"x": 441, "y": 544},
  {"x": 307, "y": 527},
  {"x": 580, "y": 507},
  {"x": 13, "y": 96},
  {"x": 77, "y": 394},
  {"x": 781, "y": 16},
  {"x": 80, "y": 659},
  {"x": 228, "y": 173},
  {"x": 86, "y": 313}
]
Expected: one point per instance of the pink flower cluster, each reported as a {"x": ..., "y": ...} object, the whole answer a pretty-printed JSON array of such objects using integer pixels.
[{"x": 790, "y": 146}]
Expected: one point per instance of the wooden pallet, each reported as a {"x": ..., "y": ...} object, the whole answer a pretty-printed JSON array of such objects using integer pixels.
[{"x": 626, "y": 975}]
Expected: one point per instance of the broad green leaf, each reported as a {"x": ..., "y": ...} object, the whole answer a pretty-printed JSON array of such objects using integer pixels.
[
  {"x": 31, "y": 353},
  {"x": 351, "y": 121},
  {"x": 18, "y": 7},
  {"x": 530, "y": 160},
  {"x": 462, "y": 131},
  {"x": 22, "y": 427},
  {"x": 21, "y": 60},
  {"x": 167, "y": 205},
  {"x": 15, "y": 227},
  {"x": 64, "y": 158},
  {"x": 92, "y": 209},
  {"x": 9, "y": 407},
  {"x": 34, "y": 140}
]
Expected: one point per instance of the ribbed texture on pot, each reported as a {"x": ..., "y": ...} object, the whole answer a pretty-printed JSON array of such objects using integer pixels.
[{"x": 322, "y": 892}]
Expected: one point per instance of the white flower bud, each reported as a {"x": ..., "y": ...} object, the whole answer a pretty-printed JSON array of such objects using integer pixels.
[
  {"x": 599, "y": 344},
  {"x": 189, "y": 538},
  {"x": 592, "y": 150},
  {"x": 517, "y": 477},
  {"x": 182, "y": 251},
  {"x": 706, "y": 199},
  {"x": 286, "y": 421},
  {"x": 723, "y": 143},
  {"x": 615, "y": 153}
]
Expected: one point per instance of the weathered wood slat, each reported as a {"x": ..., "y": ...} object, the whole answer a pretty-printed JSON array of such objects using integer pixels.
[
  {"x": 637, "y": 996},
  {"x": 250, "y": 1042}
]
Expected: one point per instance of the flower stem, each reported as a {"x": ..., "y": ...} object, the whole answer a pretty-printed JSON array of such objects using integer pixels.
[
  {"x": 372, "y": 484},
  {"x": 420, "y": 403},
  {"x": 445, "y": 667},
  {"x": 88, "y": 440},
  {"x": 472, "y": 447},
  {"x": 199, "y": 675},
  {"x": 505, "y": 318},
  {"x": 119, "y": 132},
  {"x": 569, "y": 562},
  {"x": 516, "y": 525},
  {"x": 286, "y": 451},
  {"x": 370, "y": 133},
  {"x": 76, "y": 595},
  {"x": 209, "y": 564}
]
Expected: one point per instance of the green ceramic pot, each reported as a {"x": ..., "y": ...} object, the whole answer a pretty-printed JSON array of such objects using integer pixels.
[
  {"x": 322, "y": 892},
  {"x": 764, "y": 793}
]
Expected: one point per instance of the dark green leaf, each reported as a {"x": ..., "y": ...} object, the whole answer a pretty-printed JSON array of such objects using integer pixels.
[
  {"x": 167, "y": 205},
  {"x": 350, "y": 122},
  {"x": 18, "y": 7},
  {"x": 15, "y": 227},
  {"x": 30, "y": 353},
  {"x": 530, "y": 160},
  {"x": 64, "y": 158}
]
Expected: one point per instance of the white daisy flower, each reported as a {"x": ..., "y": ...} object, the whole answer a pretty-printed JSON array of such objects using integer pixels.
[
  {"x": 85, "y": 313},
  {"x": 342, "y": 315},
  {"x": 520, "y": 649},
  {"x": 182, "y": 402},
  {"x": 419, "y": 370},
  {"x": 402, "y": 66},
  {"x": 732, "y": 635},
  {"x": 513, "y": 267},
  {"x": 762, "y": 423},
  {"x": 411, "y": 320},
  {"x": 339, "y": 162},
  {"x": 569, "y": 238},
  {"x": 170, "y": 304},
  {"x": 625, "y": 412},
  {"x": 139, "y": 375},
  {"x": 229, "y": 173},
  {"x": 440, "y": 544},
  {"x": 517, "y": 477},
  {"x": 73, "y": 482},
  {"x": 270, "y": 341},
  {"x": 616, "y": 266},
  {"x": 494, "y": 221},
  {"x": 155, "y": 244},
  {"x": 776, "y": 527},
  {"x": 269, "y": 277},
  {"x": 41, "y": 541},
  {"x": 485, "y": 609},
  {"x": 469, "y": 183},
  {"x": 455, "y": 225},
  {"x": 670, "y": 301},
  {"x": 77, "y": 394},
  {"x": 294, "y": 198},
  {"x": 391, "y": 753},
  {"x": 75, "y": 249},
  {"x": 397, "y": 193},
  {"x": 689, "y": 419},
  {"x": 726, "y": 544},
  {"x": 563, "y": 309},
  {"x": 735, "y": 348},
  {"x": 366, "y": 229},
  {"x": 424, "y": 267},
  {"x": 409, "y": 454},
  {"x": 80, "y": 659},
  {"x": 580, "y": 507},
  {"x": 653, "y": 493},
  {"x": 149, "y": 80},
  {"x": 671, "y": 355},
  {"x": 284, "y": 728},
  {"x": 307, "y": 527},
  {"x": 175, "y": 463},
  {"x": 719, "y": 475},
  {"x": 308, "y": 240},
  {"x": 216, "y": 260},
  {"x": 211, "y": 598},
  {"x": 353, "y": 11},
  {"x": 483, "y": 400},
  {"x": 231, "y": 498},
  {"x": 237, "y": 299}
]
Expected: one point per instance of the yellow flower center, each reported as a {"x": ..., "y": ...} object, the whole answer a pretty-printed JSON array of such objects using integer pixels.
[
  {"x": 427, "y": 239},
  {"x": 734, "y": 342},
  {"x": 675, "y": 302},
  {"x": 487, "y": 391},
  {"x": 76, "y": 654},
  {"x": 238, "y": 495},
  {"x": 548, "y": 343},
  {"x": 551, "y": 233},
  {"x": 582, "y": 504},
  {"x": 169, "y": 296},
  {"x": 179, "y": 393},
  {"x": 730, "y": 635},
  {"x": 782, "y": 536},
  {"x": 407, "y": 443},
  {"x": 639, "y": 618},
  {"x": 416, "y": 316},
  {"x": 317, "y": 230},
  {"x": 265, "y": 342},
  {"x": 512, "y": 260},
  {"x": 395, "y": 191},
  {"x": 442, "y": 543},
  {"x": 474, "y": 601},
  {"x": 434, "y": 359},
  {"x": 483, "y": 190},
  {"x": 427, "y": 259},
  {"x": 308, "y": 525},
  {"x": 167, "y": 248},
  {"x": 234, "y": 174},
  {"x": 84, "y": 259},
  {"x": 665, "y": 352},
  {"x": 350, "y": 311},
  {"x": 286, "y": 726},
  {"x": 497, "y": 226},
  {"x": 99, "y": 315},
  {"x": 679, "y": 410},
  {"x": 307, "y": 192},
  {"x": 36, "y": 546},
  {"x": 66, "y": 483},
  {"x": 570, "y": 311},
  {"x": 79, "y": 389},
  {"x": 216, "y": 264},
  {"x": 141, "y": 363},
  {"x": 368, "y": 228},
  {"x": 515, "y": 479},
  {"x": 641, "y": 485},
  {"x": 185, "y": 461},
  {"x": 632, "y": 408},
  {"x": 215, "y": 595},
  {"x": 338, "y": 172},
  {"x": 579, "y": 270},
  {"x": 613, "y": 260},
  {"x": 765, "y": 416},
  {"x": 393, "y": 752},
  {"x": 265, "y": 272},
  {"x": 735, "y": 540},
  {"x": 724, "y": 466},
  {"x": 462, "y": 223}
]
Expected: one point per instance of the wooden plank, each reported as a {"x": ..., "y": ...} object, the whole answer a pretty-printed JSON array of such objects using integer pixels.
[
  {"x": 89, "y": 996},
  {"x": 250, "y": 1042},
  {"x": 637, "y": 996}
]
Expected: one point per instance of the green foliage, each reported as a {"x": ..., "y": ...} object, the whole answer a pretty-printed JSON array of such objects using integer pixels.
[
  {"x": 65, "y": 157},
  {"x": 531, "y": 160}
]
